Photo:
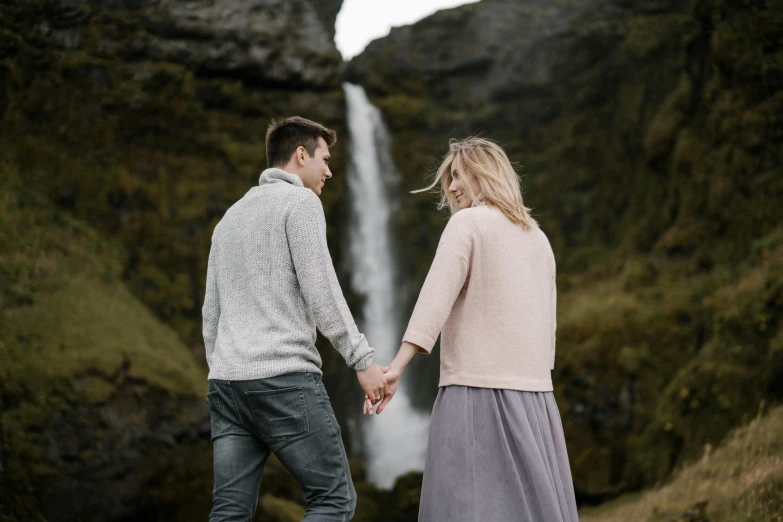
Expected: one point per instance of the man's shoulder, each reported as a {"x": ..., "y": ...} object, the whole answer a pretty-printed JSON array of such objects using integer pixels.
[
  {"x": 286, "y": 196},
  {"x": 302, "y": 199}
]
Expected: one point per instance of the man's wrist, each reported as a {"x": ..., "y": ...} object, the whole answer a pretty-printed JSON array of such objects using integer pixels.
[{"x": 364, "y": 363}]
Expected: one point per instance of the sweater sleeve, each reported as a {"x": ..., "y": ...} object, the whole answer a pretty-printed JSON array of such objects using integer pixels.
[
  {"x": 306, "y": 233},
  {"x": 444, "y": 282},
  {"x": 210, "y": 311}
]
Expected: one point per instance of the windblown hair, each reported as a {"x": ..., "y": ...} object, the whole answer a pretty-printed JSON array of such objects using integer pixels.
[
  {"x": 285, "y": 136},
  {"x": 487, "y": 162}
]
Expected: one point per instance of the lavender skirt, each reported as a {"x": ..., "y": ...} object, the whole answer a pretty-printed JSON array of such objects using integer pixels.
[{"x": 496, "y": 455}]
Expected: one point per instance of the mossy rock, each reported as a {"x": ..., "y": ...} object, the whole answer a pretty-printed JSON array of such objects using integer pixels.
[
  {"x": 279, "y": 510},
  {"x": 645, "y": 168},
  {"x": 406, "y": 495},
  {"x": 91, "y": 380},
  {"x": 369, "y": 502}
]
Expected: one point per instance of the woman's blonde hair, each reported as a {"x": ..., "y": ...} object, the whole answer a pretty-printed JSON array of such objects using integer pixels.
[{"x": 488, "y": 163}]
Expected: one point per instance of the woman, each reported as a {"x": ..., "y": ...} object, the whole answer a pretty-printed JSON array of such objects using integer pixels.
[{"x": 496, "y": 448}]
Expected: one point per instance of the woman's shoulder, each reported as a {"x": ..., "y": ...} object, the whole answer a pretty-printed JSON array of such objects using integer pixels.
[
  {"x": 474, "y": 214},
  {"x": 467, "y": 219}
]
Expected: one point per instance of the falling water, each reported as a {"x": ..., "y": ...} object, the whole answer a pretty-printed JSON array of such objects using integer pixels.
[{"x": 396, "y": 440}]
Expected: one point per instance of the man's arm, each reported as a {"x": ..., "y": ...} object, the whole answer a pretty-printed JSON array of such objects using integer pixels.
[
  {"x": 306, "y": 231},
  {"x": 210, "y": 312}
]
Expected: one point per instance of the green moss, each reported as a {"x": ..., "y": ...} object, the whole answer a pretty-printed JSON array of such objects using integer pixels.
[
  {"x": 667, "y": 122},
  {"x": 639, "y": 274},
  {"x": 95, "y": 390},
  {"x": 68, "y": 325},
  {"x": 656, "y": 175},
  {"x": 96, "y": 136},
  {"x": 86, "y": 323},
  {"x": 369, "y": 502},
  {"x": 281, "y": 510},
  {"x": 406, "y": 495},
  {"x": 647, "y": 34}
]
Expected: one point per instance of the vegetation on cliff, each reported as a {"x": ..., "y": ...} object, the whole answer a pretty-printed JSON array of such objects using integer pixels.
[
  {"x": 117, "y": 158},
  {"x": 648, "y": 135},
  {"x": 740, "y": 481},
  {"x": 96, "y": 392}
]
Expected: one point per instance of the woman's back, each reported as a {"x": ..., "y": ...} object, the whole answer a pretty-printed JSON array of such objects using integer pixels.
[
  {"x": 496, "y": 449},
  {"x": 491, "y": 290}
]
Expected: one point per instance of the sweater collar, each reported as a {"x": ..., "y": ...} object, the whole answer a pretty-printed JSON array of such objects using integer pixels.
[{"x": 279, "y": 176}]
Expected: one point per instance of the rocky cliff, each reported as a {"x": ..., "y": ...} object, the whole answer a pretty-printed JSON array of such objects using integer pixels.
[
  {"x": 127, "y": 127},
  {"x": 648, "y": 136}
]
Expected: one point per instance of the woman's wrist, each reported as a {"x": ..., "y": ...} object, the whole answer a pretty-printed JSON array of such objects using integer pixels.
[{"x": 404, "y": 356}]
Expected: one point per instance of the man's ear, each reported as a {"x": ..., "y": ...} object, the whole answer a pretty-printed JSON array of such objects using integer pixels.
[{"x": 300, "y": 155}]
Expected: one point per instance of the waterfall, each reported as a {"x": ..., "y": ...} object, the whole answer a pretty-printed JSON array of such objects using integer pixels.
[{"x": 395, "y": 441}]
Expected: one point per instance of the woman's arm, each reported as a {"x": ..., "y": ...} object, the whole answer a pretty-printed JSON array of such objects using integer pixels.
[
  {"x": 404, "y": 355},
  {"x": 445, "y": 280}
]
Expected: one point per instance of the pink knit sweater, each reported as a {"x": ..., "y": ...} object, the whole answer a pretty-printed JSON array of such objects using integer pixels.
[{"x": 491, "y": 290}]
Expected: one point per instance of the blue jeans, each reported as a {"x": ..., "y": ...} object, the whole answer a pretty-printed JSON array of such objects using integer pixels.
[{"x": 290, "y": 416}]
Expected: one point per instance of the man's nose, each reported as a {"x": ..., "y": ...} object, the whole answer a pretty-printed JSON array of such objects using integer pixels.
[{"x": 328, "y": 173}]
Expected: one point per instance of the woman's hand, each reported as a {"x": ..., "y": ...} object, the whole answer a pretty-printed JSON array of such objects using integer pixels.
[{"x": 392, "y": 383}]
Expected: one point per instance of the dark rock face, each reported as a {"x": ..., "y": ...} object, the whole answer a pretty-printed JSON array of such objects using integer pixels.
[
  {"x": 494, "y": 50},
  {"x": 134, "y": 123},
  {"x": 147, "y": 87},
  {"x": 290, "y": 43},
  {"x": 270, "y": 41},
  {"x": 327, "y": 11},
  {"x": 106, "y": 458}
]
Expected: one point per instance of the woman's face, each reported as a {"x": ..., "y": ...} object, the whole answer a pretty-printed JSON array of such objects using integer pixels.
[{"x": 457, "y": 187}]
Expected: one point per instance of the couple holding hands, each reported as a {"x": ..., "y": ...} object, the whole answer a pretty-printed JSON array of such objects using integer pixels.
[{"x": 496, "y": 449}]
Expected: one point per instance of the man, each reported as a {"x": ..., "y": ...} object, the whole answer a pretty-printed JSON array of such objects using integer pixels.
[{"x": 270, "y": 284}]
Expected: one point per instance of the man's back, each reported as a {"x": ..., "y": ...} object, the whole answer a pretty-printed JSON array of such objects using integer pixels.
[{"x": 270, "y": 282}]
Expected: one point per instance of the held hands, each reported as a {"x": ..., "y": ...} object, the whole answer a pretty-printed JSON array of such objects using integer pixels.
[
  {"x": 392, "y": 383},
  {"x": 391, "y": 378},
  {"x": 373, "y": 382}
]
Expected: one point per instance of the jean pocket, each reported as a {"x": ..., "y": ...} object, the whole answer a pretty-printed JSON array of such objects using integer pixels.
[
  {"x": 279, "y": 413},
  {"x": 218, "y": 423},
  {"x": 213, "y": 401}
]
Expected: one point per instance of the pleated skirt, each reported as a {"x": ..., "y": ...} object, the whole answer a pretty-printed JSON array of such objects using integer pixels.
[{"x": 496, "y": 456}]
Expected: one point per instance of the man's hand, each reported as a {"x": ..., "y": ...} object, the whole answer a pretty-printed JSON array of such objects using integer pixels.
[
  {"x": 373, "y": 383},
  {"x": 392, "y": 382}
]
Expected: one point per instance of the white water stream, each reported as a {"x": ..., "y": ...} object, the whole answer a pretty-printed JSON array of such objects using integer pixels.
[{"x": 395, "y": 442}]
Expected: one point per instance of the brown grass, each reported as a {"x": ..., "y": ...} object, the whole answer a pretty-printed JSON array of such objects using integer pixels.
[{"x": 741, "y": 481}]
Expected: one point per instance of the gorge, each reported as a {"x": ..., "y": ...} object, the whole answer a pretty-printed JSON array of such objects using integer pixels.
[{"x": 648, "y": 136}]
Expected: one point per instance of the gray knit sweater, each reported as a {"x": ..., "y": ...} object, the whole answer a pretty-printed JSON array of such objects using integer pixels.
[{"x": 271, "y": 283}]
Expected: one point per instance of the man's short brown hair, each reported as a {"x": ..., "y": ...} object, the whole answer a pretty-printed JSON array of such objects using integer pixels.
[{"x": 285, "y": 136}]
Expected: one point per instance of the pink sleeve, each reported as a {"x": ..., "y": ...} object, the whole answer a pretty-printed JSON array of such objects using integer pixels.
[{"x": 445, "y": 280}]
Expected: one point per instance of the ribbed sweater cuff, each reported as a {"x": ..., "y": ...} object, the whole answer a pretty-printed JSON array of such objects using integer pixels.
[{"x": 365, "y": 362}]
